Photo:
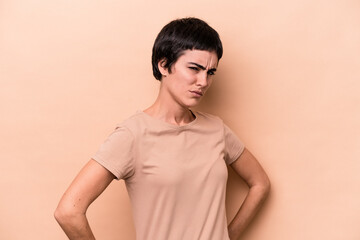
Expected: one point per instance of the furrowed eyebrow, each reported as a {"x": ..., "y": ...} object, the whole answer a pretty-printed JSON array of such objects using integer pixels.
[{"x": 202, "y": 67}]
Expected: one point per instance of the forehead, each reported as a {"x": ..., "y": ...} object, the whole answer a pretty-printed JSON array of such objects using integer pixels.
[{"x": 202, "y": 57}]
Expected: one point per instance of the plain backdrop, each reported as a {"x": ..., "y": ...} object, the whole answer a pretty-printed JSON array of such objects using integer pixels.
[{"x": 288, "y": 86}]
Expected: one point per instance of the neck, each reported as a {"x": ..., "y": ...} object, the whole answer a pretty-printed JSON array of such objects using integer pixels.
[{"x": 170, "y": 111}]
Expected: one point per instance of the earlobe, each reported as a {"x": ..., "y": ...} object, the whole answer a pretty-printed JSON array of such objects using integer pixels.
[{"x": 162, "y": 68}]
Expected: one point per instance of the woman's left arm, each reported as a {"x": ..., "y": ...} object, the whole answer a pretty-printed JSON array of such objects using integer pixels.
[{"x": 249, "y": 169}]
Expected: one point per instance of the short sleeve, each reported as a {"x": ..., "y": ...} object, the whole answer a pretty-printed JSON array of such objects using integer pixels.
[
  {"x": 116, "y": 153},
  {"x": 233, "y": 145}
]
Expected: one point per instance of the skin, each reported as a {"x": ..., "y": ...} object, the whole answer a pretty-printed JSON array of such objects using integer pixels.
[
  {"x": 193, "y": 70},
  {"x": 249, "y": 169},
  {"x": 90, "y": 182}
]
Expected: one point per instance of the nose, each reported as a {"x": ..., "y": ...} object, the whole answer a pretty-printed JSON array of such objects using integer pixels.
[{"x": 202, "y": 80}]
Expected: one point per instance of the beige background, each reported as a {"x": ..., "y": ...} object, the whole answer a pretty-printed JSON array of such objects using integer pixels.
[{"x": 288, "y": 85}]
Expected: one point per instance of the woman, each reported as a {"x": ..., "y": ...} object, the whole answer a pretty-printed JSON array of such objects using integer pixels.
[{"x": 172, "y": 159}]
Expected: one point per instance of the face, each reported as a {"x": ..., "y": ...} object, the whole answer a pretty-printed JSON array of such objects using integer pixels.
[{"x": 191, "y": 76}]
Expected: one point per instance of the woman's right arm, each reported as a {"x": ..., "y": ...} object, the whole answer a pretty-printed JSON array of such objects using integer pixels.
[{"x": 91, "y": 181}]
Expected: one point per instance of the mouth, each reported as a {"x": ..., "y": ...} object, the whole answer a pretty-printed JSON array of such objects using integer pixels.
[{"x": 198, "y": 93}]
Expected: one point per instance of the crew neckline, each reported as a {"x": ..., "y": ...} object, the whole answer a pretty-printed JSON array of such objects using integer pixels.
[{"x": 170, "y": 124}]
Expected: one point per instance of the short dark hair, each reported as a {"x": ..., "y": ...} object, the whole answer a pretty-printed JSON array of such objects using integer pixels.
[{"x": 180, "y": 35}]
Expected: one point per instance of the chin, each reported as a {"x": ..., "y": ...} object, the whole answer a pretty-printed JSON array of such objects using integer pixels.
[{"x": 192, "y": 103}]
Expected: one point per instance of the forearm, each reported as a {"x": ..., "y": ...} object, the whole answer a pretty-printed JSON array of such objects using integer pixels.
[
  {"x": 247, "y": 211},
  {"x": 76, "y": 227}
]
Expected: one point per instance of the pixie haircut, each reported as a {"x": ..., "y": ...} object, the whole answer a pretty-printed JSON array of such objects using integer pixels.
[{"x": 180, "y": 35}]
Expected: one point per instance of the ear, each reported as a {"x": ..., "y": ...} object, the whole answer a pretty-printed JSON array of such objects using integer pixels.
[{"x": 161, "y": 65}]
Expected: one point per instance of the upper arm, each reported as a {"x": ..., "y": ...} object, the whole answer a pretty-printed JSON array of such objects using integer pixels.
[
  {"x": 90, "y": 182},
  {"x": 248, "y": 168}
]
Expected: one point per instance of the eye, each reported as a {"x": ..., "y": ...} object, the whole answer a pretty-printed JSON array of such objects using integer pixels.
[
  {"x": 194, "y": 68},
  {"x": 211, "y": 72}
]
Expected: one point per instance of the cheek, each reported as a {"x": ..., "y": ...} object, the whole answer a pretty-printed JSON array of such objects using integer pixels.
[
  {"x": 184, "y": 79},
  {"x": 188, "y": 77},
  {"x": 211, "y": 79}
]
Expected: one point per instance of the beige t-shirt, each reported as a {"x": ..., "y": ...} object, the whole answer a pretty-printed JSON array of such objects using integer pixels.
[{"x": 175, "y": 175}]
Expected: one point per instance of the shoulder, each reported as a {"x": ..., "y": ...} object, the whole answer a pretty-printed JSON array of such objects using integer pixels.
[
  {"x": 129, "y": 123},
  {"x": 209, "y": 117},
  {"x": 139, "y": 123},
  {"x": 218, "y": 121},
  {"x": 210, "y": 121}
]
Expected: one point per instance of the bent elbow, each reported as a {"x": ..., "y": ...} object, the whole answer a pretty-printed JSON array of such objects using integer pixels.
[
  {"x": 266, "y": 186},
  {"x": 63, "y": 214},
  {"x": 60, "y": 214},
  {"x": 263, "y": 187}
]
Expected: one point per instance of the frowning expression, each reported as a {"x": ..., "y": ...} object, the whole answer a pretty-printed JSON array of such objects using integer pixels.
[{"x": 191, "y": 75}]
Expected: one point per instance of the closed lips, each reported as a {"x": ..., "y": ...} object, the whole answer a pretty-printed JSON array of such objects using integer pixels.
[{"x": 200, "y": 93}]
